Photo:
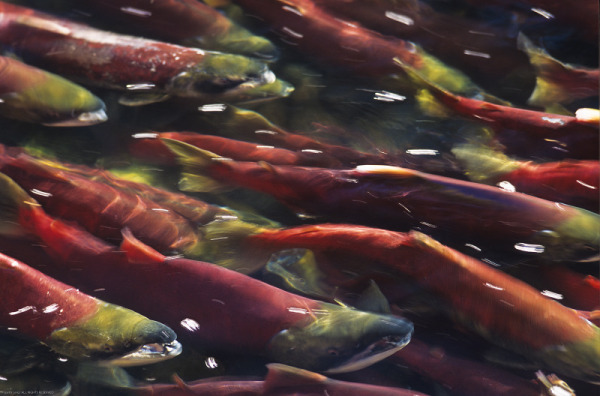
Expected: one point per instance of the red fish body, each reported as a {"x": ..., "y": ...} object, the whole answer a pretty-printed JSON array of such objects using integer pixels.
[
  {"x": 211, "y": 306},
  {"x": 102, "y": 209},
  {"x": 499, "y": 307},
  {"x": 345, "y": 44},
  {"x": 399, "y": 198},
  {"x": 37, "y": 305},
  {"x": 568, "y": 136},
  {"x": 281, "y": 380},
  {"x": 574, "y": 182},
  {"x": 443, "y": 367},
  {"x": 125, "y": 62},
  {"x": 465, "y": 43},
  {"x": 185, "y": 21},
  {"x": 70, "y": 322},
  {"x": 151, "y": 148}
]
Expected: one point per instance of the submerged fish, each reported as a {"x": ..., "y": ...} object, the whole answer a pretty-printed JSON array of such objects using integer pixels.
[
  {"x": 574, "y": 182},
  {"x": 281, "y": 380},
  {"x": 216, "y": 308},
  {"x": 347, "y": 45},
  {"x": 400, "y": 198},
  {"x": 504, "y": 310},
  {"x": 100, "y": 208},
  {"x": 574, "y": 137},
  {"x": 557, "y": 82},
  {"x": 77, "y": 325},
  {"x": 188, "y": 21},
  {"x": 150, "y": 70},
  {"x": 33, "y": 95}
]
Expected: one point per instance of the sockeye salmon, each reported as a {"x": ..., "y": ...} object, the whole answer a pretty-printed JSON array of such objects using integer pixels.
[
  {"x": 259, "y": 319},
  {"x": 150, "y": 70},
  {"x": 401, "y": 199},
  {"x": 75, "y": 324}
]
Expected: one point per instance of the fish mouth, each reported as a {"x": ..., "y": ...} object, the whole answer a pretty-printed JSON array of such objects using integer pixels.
[
  {"x": 147, "y": 354},
  {"x": 374, "y": 353},
  {"x": 83, "y": 119},
  {"x": 268, "y": 77}
]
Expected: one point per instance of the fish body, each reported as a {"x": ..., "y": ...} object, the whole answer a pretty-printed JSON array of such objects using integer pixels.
[
  {"x": 345, "y": 44},
  {"x": 34, "y": 95},
  {"x": 401, "y": 199},
  {"x": 216, "y": 308},
  {"x": 574, "y": 136},
  {"x": 100, "y": 208},
  {"x": 281, "y": 380},
  {"x": 150, "y": 148},
  {"x": 574, "y": 182},
  {"x": 70, "y": 322},
  {"x": 481, "y": 49},
  {"x": 441, "y": 366},
  {"x": 187, "y": 21},
  {"x": 502, "y": 309},
  {"x": 148, "y": 68}
]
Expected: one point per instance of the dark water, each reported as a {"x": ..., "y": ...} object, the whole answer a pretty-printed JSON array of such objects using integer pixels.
[{"x": 330, "y": 105}]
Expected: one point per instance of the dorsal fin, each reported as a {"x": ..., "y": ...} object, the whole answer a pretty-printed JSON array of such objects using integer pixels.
[
  {"x": 180, "y": 382},
  {"x": 373, "y": 300},
  {"x": 138, "y": 252},
  {"x": 281, "y": 376}
]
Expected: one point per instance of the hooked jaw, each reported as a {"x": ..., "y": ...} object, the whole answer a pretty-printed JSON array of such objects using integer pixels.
[
  {"x": 118, "y": 336},
  {"x": 227, "y": 76},
  {"x": 340, "y": 339}
]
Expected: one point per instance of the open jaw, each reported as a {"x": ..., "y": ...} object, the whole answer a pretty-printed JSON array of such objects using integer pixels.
[
  {"x": 147, "y": 354},
  {"x": 374, "y": 353}
]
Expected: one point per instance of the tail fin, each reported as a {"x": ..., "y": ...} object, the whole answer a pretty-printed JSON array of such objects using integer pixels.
[
  {"x": 483, "y": 164},
  {"x": 428, "y": 96},
  {"x": 195, "y": 161},
  {"x": 547, "y": 91},
  {"x": 13, "y": 199},
  {"x": 223, "y": 244}
]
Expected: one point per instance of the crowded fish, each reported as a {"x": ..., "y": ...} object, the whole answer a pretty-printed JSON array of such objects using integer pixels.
[{"x": 285, "y": 197}]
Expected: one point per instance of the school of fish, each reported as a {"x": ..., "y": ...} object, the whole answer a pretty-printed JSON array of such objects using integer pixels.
[{"x": 285, "y": 197}]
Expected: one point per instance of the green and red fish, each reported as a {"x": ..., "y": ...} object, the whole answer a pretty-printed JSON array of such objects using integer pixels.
[
  {"x": 574, "y": 182},
  {"x": 259, "y": 319},
  {"x": 75, "y": 324},
  {"x": 34, "y": 95},
  {"x": 401, "y": 199},
  {"x": 148, "y": 70}
]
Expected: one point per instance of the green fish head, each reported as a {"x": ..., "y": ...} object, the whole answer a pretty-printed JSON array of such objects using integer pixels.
[
  {"x": 55, "y": 101},
  {"x": 575, "y": 239},
  {"x": 116, "y": 335},
  {"x": 340, "y": 339},
  {"x": 222, "y": 76},
  {"x": 579, "y": 359}
]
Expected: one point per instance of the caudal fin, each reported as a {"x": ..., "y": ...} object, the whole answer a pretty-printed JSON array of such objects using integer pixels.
[
  {"x": 550, "y": 87},
  {"x": 196, "y": 164},
  {"x": 483, "y": 164},
  {"x": 13, "y": 199}
]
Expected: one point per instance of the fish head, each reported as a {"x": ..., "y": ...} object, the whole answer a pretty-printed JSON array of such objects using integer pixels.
[
  {"x": 222, "y": 77},
  {"x": 340, "y": 339},
  {"x": 117, "y": 336},
  {"x": 575, "y": 239},
  {"x": 56, "y": 101},
  {"x": 578, "y": 359}
]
